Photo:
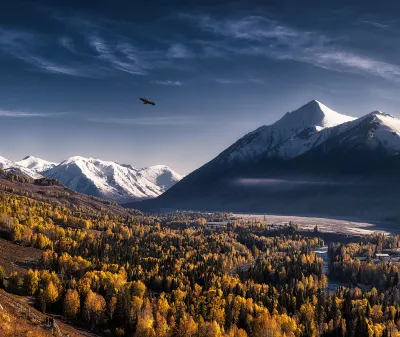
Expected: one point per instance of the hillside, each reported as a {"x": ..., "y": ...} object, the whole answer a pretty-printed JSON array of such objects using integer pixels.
[{"x": 53, "y": 192}]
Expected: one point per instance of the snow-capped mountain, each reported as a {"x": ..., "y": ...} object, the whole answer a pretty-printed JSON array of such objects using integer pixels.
[
  {"x": 36, "y": 164},
  {"x": 111, "y": 180},
  {"x": 9, "y": 166},
  {"x": 104, "y": 179},
  {"x": 295, "y": 133},
  {"x": 312, "y": 160}
]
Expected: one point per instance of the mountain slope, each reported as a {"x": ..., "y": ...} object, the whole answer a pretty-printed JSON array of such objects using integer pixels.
[
  {"x": 36, "y": 164},
  {"x": 111, "y": 180},
  {"x": 307, "y": 162}
]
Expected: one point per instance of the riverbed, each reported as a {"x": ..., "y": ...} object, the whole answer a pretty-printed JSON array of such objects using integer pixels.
[{"x": 349, "y": 226}]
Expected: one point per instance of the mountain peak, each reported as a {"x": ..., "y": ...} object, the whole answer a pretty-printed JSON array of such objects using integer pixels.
[
  {"x": 316, "y": 114},
  {"x": 36, "y": 164},
  {"x": 380, "y": 113},
  {"x": 315, "y": 103}
]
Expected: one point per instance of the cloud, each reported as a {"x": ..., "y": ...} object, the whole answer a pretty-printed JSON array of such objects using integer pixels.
[
  {"x": 257, "y": 28},
  {"x": 173, "y": 83},
  {"x": 129, "y": 65},
  {"x": 68, "y": 44},
  {"x": 26, "y": 47},
  {"x": 121, "y": 55},
  {"x": 56, "y": 68},
  {"x": 374, "y": 24},
  {"x": 13, "y": 41},
  {"x": 114, "y": 44},
  {"x": 269, "y": 181},
  {"x": 148, "y": 121},
  {"x": 179, "y": 51},
  {"x": 23, "y": 114},
  {"x": 111, "y": 55},
  {"x": 239, "y": 81},
  {"x": 262, "y": 37}
]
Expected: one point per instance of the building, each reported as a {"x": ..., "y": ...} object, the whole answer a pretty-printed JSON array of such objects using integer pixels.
[{"x": 382, "y": 257}]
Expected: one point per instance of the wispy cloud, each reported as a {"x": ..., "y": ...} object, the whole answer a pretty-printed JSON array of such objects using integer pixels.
[
  {"x": 238, "y": 81},
  {"x": 24, "y": 114},
  {"x": 114, "y": 44},
  {"x": 148, "y": 121},
  {"x": 55, "y": 68},
  {"x": 26, "y": 46},
  {"x": 262, "y": 37},
  {"x": 129, "y": 64},
  {"x": 173, "y": 83},
  {"x": 374, "y": 24},
  {"x": 108, "y": 56}
]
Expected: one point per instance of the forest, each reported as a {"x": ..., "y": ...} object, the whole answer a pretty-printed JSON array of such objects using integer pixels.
[{"x": 130, "y": 274}]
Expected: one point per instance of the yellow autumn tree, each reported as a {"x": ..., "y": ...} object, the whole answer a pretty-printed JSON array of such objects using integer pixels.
[{"x": 71, "y": 304}]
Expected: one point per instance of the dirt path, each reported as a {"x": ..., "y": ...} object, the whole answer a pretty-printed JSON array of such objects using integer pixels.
[{"x": 61, "y": 329}]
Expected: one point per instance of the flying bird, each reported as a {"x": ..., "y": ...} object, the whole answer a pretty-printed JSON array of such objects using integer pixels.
[{"x": 146, "y": 101}]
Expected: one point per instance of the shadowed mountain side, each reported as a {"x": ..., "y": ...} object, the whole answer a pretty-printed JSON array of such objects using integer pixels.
[{"x": 340, "y": 183}]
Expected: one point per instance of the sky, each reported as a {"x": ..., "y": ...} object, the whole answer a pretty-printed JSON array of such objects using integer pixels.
[{"x": 71, "y": 73}]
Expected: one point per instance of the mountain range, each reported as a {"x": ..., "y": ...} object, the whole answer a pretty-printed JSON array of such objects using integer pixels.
[
  {"x": 311, "y": 161},
  {"x": 95, "y": 177}
]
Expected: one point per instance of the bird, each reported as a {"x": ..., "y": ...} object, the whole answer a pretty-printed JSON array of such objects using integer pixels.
[{"x": 146, "y": 101}]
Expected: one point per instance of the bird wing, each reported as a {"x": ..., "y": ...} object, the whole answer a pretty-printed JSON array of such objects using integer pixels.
[{"x": 146, "y": 101}]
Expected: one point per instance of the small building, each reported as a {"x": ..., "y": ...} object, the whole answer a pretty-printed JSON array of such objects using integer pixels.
[{"x": 382, "y": 257}]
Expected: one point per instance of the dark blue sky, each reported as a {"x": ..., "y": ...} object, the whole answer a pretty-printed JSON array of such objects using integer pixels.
[{"x": 72, "y": 73}]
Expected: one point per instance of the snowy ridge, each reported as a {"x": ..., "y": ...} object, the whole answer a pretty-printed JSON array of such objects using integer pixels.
[
  {"x": 36, "y": 164},
  {"x": 285, "y": 138},
  {"x": 387, "y": 131},
  {"x": 111, "y": 180}
]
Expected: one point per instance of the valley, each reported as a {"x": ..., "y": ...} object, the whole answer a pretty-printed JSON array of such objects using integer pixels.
[{"x": 104, "y": 270}]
